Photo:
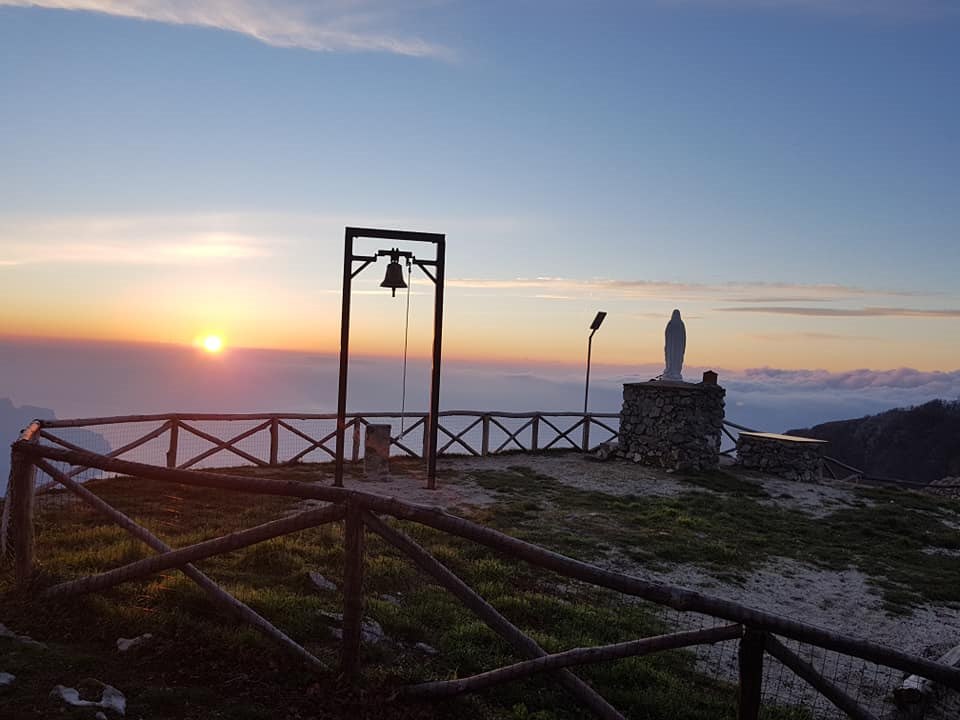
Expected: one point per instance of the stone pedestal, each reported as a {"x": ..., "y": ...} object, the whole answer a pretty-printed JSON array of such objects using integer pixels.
[
  {"x": 376, "y": 451},
  {"x": 786, "y": 456},
  {"x": 672, "y": 425}
]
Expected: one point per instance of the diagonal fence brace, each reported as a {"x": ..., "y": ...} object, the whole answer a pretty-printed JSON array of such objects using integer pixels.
[
  {"x": 522, "y": 643},
  {"x": 219, "y": 596}
]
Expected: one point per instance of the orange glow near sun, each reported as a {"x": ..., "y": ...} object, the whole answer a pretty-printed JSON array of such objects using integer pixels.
[{"x": 212, "y": 344}]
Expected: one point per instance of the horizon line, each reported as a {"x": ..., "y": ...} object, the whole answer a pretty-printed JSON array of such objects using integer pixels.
[{"x": 641, "y": 367}]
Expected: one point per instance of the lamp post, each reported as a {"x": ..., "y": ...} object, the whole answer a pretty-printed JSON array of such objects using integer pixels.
[
  {"x": 433, "y": 269},
  {"x": 594, "y": 326}
]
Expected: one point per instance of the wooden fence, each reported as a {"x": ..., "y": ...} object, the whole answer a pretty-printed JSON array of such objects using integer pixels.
[
  {"x": 480, "y": 434},
  {"x": 756, "y": 631}
]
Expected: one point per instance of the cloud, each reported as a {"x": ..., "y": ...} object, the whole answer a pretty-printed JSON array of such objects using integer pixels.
[
  {"x": 779, "y": 337},
  {"x": 894, "y": 9},
  {"x": 937, "y": 383},
  {"x": 745, "y": 292},
  {"x": 146, "y": 240},
  {"x": 333, "y": 25},
  {"x": 776, "y": 399},
  {"x": 199, "y": 236},
  {"x": 847, "y": 312},
  {"x": 193, "y": 249}
]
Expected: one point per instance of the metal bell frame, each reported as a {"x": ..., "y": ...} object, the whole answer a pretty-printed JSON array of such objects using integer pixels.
[{"x": 433, "y": 269}]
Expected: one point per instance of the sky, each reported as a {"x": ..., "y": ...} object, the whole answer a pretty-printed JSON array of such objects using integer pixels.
[{"x": 785, "y": 172}]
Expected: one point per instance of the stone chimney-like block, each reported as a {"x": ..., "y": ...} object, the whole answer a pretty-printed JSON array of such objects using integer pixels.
[{"x": 672, "y": 425}]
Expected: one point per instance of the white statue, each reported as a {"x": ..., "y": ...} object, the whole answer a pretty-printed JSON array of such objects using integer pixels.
[{"x": 674, "y": 346}]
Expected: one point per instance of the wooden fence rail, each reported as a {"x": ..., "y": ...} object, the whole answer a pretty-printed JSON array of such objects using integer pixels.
[
  {"x": 359, "y": 510},
  {"x": 560, "y": 427},
  {"x": 483, "y": 433}
]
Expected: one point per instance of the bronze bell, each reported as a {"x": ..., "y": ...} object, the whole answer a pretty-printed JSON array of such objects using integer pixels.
[{"x": 394, "y": 276}]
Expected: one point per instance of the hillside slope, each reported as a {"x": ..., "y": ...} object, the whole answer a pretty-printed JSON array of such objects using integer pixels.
[{"x": 920, "y": 444}]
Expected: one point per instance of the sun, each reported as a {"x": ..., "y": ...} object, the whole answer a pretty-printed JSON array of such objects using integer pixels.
[{"x": 212, "y": 344}]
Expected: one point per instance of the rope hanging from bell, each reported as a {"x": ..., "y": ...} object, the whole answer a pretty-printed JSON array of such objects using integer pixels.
[{"x": 406, "y": 337}]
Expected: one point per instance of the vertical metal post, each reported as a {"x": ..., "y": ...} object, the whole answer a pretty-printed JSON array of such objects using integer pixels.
[
  {"x": 344, "y": 356},
  {"x": 751, "y": 674},
  {"x": 435, "y": 373},
  {"x": 274, "y": 441},
  {"x": 432, "y": 424},
  {"x": 586, "y": 395}
]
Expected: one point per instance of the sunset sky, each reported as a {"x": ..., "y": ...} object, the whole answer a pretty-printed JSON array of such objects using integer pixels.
[{"x": 786, "y": 172}]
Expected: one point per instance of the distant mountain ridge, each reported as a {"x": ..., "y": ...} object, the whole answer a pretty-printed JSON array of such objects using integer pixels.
[
  {"x": 919, "y": 444},
  {"x": 14, "y": 419}
]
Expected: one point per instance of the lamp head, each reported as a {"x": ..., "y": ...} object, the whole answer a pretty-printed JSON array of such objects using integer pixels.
[{"x": 598, "y": 321}]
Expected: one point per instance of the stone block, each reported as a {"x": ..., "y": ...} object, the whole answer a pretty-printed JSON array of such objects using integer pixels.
[
  {"x": 792, "y": 458},
  {"x": 376, "y": 450}
]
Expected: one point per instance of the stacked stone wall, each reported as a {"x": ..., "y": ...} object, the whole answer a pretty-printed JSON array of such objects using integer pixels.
[
  {"x": 672, "y": 425},
  {"x": 946, "y": 487},
  {"x": 783, "y": 458}
]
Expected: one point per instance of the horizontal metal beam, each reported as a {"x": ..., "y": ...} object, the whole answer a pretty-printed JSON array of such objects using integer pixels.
[{"x": 403, "y": 235}]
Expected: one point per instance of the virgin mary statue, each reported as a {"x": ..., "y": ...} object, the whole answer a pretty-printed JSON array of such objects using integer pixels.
[{"x": 675, "y": 344}]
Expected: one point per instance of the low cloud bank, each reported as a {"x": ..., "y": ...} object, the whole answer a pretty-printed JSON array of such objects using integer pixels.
[
  {"x": 776, "y": 399},
  {"x": 82, "y": 379},
  {"x": 899, "y": 379}
]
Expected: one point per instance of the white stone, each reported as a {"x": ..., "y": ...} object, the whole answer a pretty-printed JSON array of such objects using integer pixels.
[
  {"x": 125, "y": 644},
  {"x": 6, "y": 632},
  {"x": 321, "y": 583},
  {"x": 370, "y": 630},
  {"x": 110, "y": 699}
]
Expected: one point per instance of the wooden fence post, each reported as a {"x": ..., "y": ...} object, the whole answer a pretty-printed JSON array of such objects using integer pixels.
[
  {"x": 586, "y": 433},
  {"x": 355, "y": 457},
  {"x": 20, "y": 496},
  {"x": 485, "y": 440},
  {"x": 174, "y": 440},
  {"x": 751, "y": 674},
  {"x": 535, "y": 433},
  {"x": 274, "y": 441},
  {"x": 352, "y": 590}
]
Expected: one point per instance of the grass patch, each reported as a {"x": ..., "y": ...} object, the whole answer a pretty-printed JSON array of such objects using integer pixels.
[{"x": 733, "y": 530}]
